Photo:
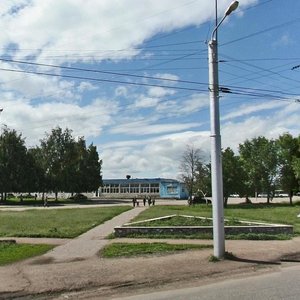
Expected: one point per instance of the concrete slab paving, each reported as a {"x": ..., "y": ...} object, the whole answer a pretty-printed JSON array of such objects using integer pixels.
[{"x": 89, "y": 243}]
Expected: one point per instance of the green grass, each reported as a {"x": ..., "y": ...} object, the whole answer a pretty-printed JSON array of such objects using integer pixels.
[
  {"x": 186, "y": 221},
  {"x": 55, "y": 223},
  {"x": 272, "y": 213},
  {"x": 208, "y": 236},
  {"x": 12, "y": 252},
  {"x": 39, "y": 202},
  {"x": 138, "y": 249}
]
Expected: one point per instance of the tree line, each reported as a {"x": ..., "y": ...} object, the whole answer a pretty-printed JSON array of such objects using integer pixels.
[
  {"x": 261, "y": 166},
  {"x": 59, "y": 163}
]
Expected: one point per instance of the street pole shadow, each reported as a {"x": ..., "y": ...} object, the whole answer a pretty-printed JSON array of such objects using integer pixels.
[{"x": 230, "y": 256}]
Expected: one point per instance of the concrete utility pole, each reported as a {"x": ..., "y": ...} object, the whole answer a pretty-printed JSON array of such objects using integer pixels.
[{"x": 216, "y": 153}]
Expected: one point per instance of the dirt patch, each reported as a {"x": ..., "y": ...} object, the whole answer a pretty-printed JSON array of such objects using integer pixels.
[{"x": 98, "y": 277}]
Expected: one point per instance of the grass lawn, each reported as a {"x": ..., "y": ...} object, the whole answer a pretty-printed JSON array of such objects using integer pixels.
[
  {"x": 272, "y": 213},
  {"x": 55, "y": 223},
  {"x": 133, "y": 249},
  {"x": 39, "y": 202},
  {"x": 12, "y": 252},
  {"x": 186, "y": 221}
]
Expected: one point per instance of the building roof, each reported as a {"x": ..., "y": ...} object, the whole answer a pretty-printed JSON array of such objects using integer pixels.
[{"x": 139, "y": 180}]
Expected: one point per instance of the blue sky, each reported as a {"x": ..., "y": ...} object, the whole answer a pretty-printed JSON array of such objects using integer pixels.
[{"x": 131, "y": 76}]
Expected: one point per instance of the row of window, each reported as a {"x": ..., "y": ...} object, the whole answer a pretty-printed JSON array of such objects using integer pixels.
[{"x": 133, "y": 188}]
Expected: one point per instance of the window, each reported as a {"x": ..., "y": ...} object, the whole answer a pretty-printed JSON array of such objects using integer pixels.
[
  {"x": 145, "y": 188},
  {"x": 134, "y": 188},
  {"x": 154, "y": 188},
  {"x": 114, "y": 188},
  {"x": 172, "y": 189},
  {"x": 124, "y": 188}
]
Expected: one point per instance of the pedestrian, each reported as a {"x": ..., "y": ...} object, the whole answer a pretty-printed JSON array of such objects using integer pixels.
[
  {"x": 144, "y": 200},
  {"x": 153, "y": 201},
  {"x": 149, "y": 200},
  {"x": 133, "y": 201}
]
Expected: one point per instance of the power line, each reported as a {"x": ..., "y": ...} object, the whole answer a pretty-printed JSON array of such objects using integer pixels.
[
  {"x": 261, "y": 32},
  {"x": 101, "y": 80},
  {"x": 102, "y": 72}
]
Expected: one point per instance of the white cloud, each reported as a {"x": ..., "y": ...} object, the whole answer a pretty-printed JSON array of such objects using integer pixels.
[
  {"x": 244, "y": 110},
  {"x": 143, "y": 158},
  {"x": 86, "y": 86},
  {"x": 138, "y": 128},
  {"x": 67, "y": 30},
  {"x": 144, "y": 102},
  {"x": 160, "y": 91},
  {"x": 161, "y": 154},
  {"x": 271, "y": 126},
  {"x": 34, "y": 121}
]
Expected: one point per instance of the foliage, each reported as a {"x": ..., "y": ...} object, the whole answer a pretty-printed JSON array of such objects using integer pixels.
[
  {"x": 259, "y": 160},
  {"x": 13, "y": 162},
  {"x": 55, "y": 223},
  {"x": 12, "y": 252},
  {"x": 260, "y": 166},
  {"x": 233, "y": 175},
  {"x": 59, "y": 164},
  {"x": 203, "y": 180},
  {"x": 288, "y": 149},
  {"x": 136, "y": 249}
]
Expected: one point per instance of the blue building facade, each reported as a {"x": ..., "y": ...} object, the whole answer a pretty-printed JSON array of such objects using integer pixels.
[{"x": 157, "y": 187}]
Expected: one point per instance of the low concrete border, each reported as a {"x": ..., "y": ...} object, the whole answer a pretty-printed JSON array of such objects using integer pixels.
[{"x": 255, "y": 227}]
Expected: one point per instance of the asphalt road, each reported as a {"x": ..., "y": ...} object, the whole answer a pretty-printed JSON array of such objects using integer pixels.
[{"x": 283, "y": 285}]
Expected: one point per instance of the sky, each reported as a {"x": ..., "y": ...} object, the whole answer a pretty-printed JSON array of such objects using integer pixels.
[{"x": 131, "y": 76}]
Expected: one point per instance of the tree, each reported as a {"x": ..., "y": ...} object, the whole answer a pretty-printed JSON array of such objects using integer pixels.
[
  {"x": 191, "y": 158},
  {"x": 58, "y": 152},
  {"x": 296, "y": 167},
  {"x": 13, "y": 158},
  {"x": 259, "y": 160},
  {"x": 93, "y": 169},
  {"x": 38, "y": 167},
  {"x": 287, "y": 147},
  {"x": 86, "y": 168},
  {"x": 69, "y": 165},
  {"x": 203, "y": 179},
  {"x": 233, "y": 175}
]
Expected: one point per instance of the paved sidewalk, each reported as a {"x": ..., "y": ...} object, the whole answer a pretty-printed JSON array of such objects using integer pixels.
[{"x": 89, "y": 243}]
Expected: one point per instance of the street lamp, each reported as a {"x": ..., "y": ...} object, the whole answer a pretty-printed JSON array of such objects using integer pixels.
[{"x": 216, "y": 153}]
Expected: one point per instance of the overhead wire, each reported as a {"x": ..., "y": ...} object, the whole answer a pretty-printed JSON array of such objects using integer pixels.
[{"x": 114, "y": 73}]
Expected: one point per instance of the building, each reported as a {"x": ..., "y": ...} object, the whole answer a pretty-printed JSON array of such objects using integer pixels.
[{"x": 157, "y": 187}]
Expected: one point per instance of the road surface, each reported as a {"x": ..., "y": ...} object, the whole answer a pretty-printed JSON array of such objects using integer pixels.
[{"x": 283, "y": 285}]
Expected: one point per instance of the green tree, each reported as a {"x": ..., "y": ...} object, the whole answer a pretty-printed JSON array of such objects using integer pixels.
[
  {"x": 233, "y": 175},
  {"x": 69, "y": 165},
  {"x": 203, "y": 179},
  {"x": 94, "y": 165},
  {"x": 13, "y": 162},
  {"x": 40, "y": 171},
  {"x": 288, "y": 150},
  {"x": 259, "y": 160},
  {"x": 58, "y": 152}
]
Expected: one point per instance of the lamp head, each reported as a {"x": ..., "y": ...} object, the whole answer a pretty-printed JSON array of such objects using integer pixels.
[{"x": 233, "y": 6}]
